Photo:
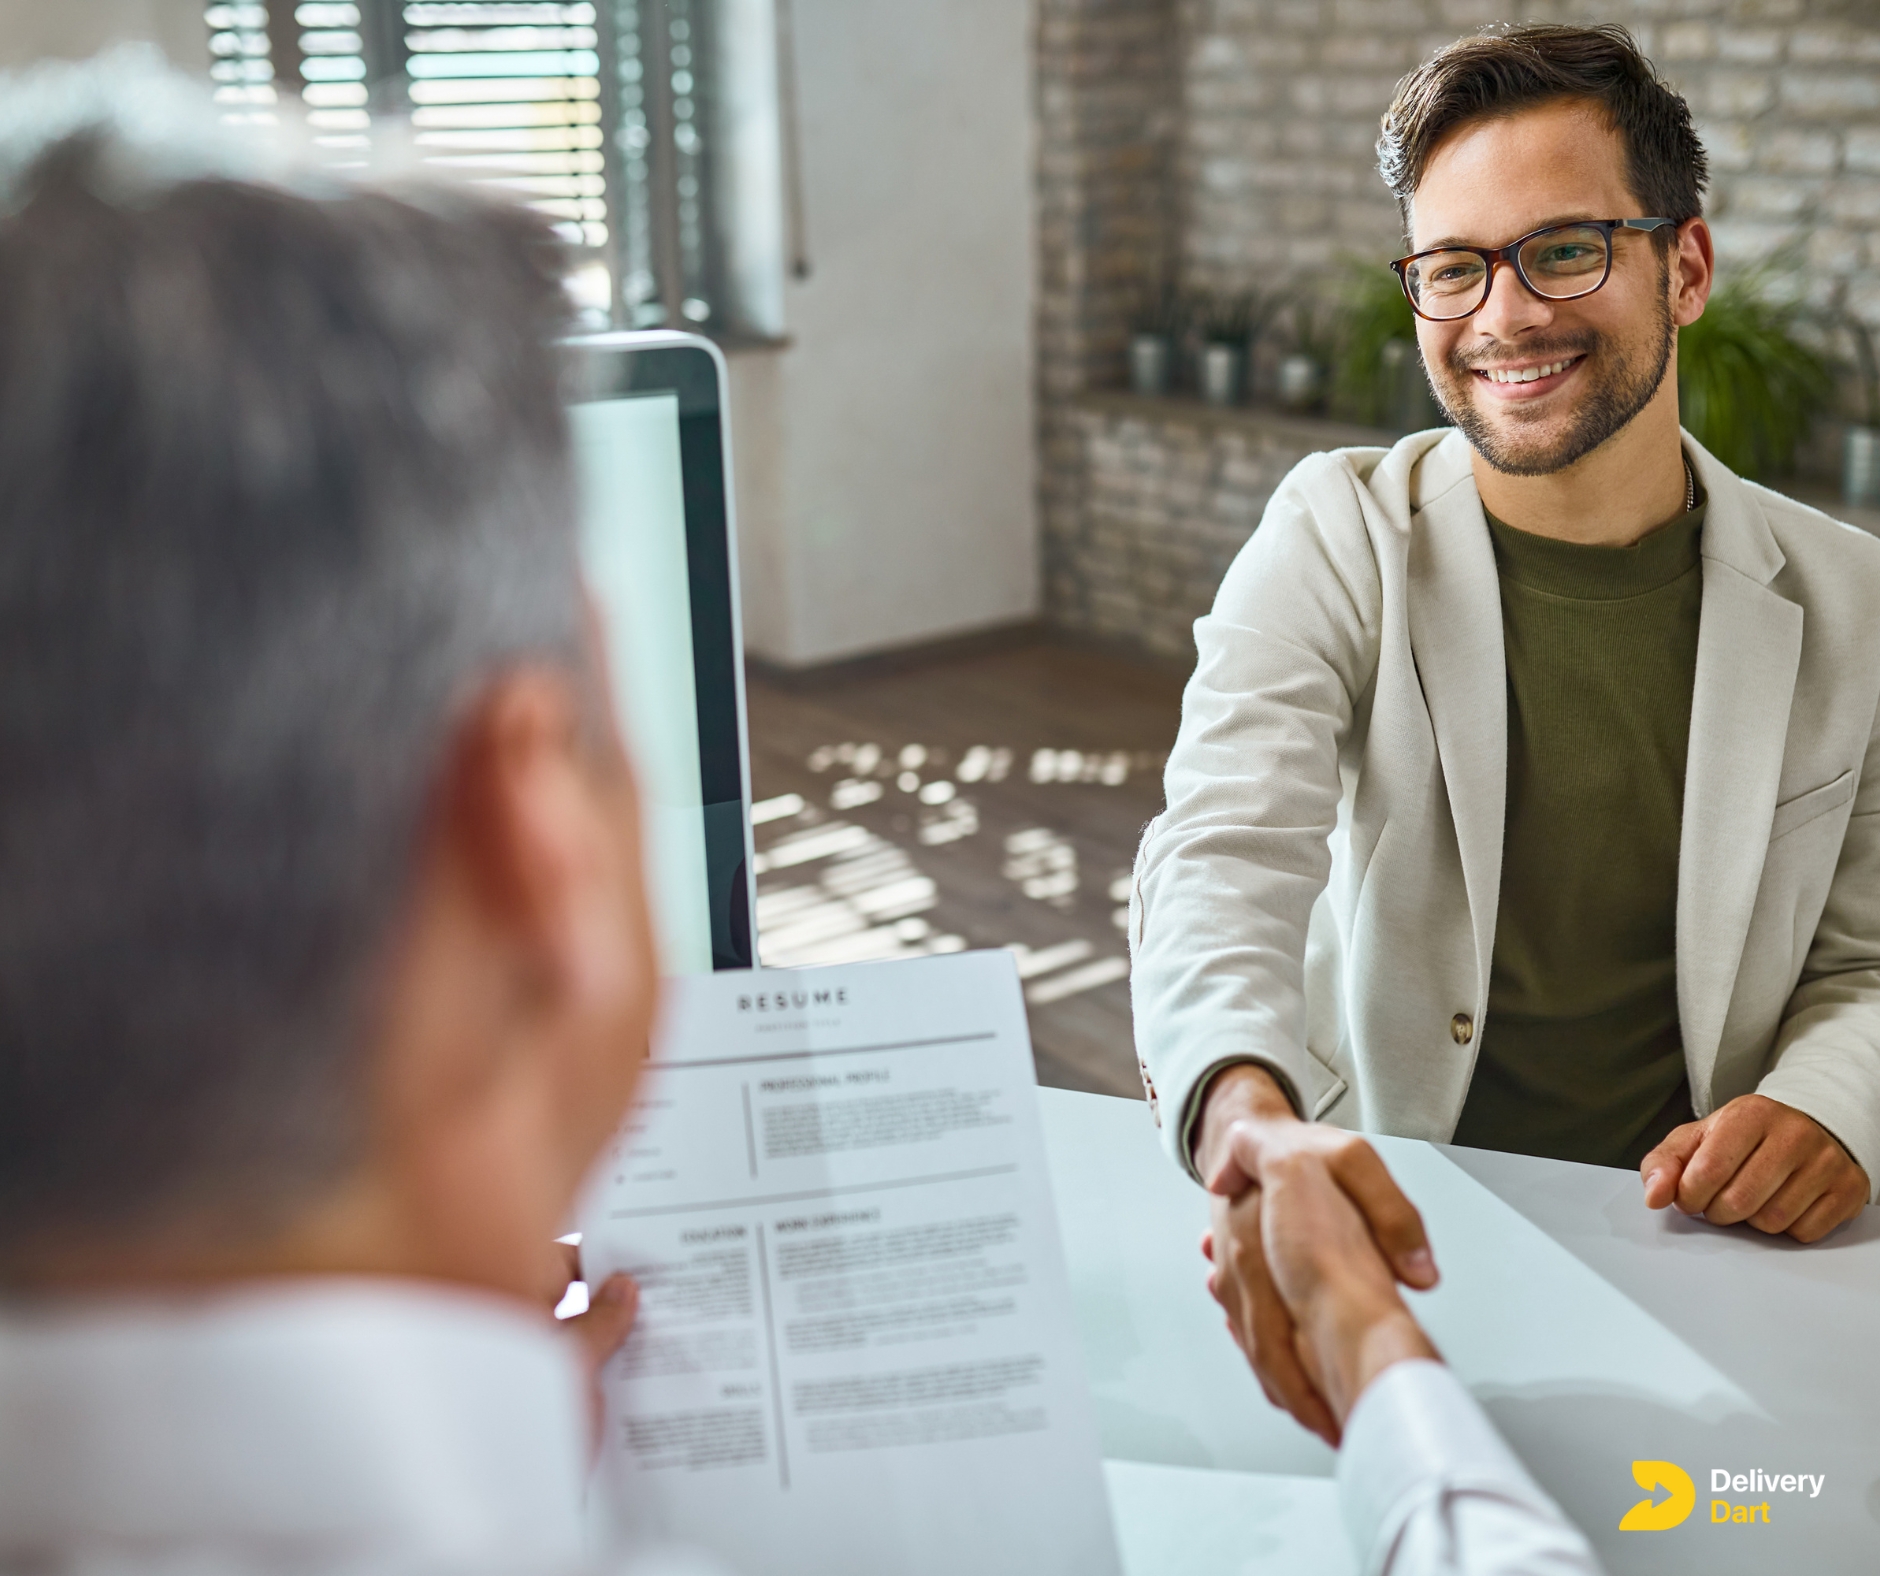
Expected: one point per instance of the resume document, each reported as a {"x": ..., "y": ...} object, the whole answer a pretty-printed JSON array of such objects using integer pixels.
[{"x": 855, "y": 1351}]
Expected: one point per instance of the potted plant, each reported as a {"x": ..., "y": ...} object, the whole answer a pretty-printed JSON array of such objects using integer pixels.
[
  {"x": 1313, "y": 332},
  {"x": 1377, "y": 373},
  {"x": 1749, "y": 384},
  {"x": 1228, "y": 326},
  {"x": 1153, "y": 340}
]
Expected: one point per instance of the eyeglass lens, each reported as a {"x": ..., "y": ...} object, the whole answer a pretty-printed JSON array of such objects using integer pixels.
[{"x": 1559, "y": 264}]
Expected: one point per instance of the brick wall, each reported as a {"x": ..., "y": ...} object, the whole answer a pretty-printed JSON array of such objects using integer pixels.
[
  {"x": 1282, "y": 99},
  {"x": 1206, "y": 141},
  {"x": 1170, "y": 492},
  {"x": 1108, "y": 105},
  {"x": 1109, "y": 111}
]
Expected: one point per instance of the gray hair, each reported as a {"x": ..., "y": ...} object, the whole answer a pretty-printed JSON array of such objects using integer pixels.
[{"x": 283, "y": 483}]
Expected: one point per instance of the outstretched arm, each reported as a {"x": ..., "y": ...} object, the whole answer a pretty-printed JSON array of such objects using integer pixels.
[
  {"x": 1228, "y": 874},
  {"x": 1427, "y": 1485}
]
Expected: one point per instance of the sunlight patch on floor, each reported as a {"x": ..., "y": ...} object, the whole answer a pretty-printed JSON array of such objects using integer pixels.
[{"x": 835, "y": 891}]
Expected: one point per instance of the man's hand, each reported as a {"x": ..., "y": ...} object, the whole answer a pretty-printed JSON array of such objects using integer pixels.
[
  {"x": 1758, "y": 1160},
  {"x": 1325, "y": 1264},
  {"x": 1246, "y": 1118},
  {"x": 612, "y": 1308},
  {"x": 1257, "y": 1316}
]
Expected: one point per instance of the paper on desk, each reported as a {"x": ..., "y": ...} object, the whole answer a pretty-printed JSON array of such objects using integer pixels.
[
  {"x": 1191, "y": 1521},
  {"x": 1521, "y": 1318},
  {"x": 855, "y": 1350}
]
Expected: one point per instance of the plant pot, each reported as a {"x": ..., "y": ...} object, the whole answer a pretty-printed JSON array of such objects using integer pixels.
[
  {"x": 1223, "y": 373},
  {"x": 1860, "y": 466},
  {"x": 1300, "y": 380},
  {"x": 1150, "y": 357}
]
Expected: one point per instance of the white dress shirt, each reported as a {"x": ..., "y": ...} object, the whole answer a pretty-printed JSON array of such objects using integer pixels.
[
  {"x": 1430, "y": 1489},
  {"x": 343, "y": 1426},
  {"x": 355, "y": 1427}
]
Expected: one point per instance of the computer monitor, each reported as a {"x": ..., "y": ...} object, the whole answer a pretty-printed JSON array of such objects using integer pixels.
[{"x": 647, "y": 411}]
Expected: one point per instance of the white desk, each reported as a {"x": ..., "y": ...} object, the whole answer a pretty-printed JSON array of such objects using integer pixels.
[{"x": 1593, "y": 1331}]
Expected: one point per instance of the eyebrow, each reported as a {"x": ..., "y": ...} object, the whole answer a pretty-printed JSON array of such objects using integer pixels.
[{"x": 1546, "y": 224}]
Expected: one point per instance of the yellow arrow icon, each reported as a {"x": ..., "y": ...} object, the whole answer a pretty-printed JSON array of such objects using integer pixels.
[{"x": 1660, "y": 1515}]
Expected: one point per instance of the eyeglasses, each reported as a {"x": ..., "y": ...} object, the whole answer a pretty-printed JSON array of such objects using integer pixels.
[{"x": 1559, "y": 263}]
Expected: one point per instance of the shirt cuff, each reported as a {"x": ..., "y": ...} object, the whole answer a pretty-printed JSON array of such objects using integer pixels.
[
  {"x": 1191, "y": 1113},
  {"x": 1414, "y": 1433}
]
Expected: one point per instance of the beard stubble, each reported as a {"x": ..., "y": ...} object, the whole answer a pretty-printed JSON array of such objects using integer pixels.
[{"x": 1625, "y": 389}]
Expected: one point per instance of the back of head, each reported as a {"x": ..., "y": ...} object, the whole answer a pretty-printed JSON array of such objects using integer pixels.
[
  {"x": 282, "y": 479},
  {"x": 1505, "y": 70}
]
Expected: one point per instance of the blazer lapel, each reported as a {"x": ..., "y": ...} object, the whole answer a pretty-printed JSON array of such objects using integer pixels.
[
  {"x": 1749, "y": 646},
  {"x": 1455, "y": 634}
]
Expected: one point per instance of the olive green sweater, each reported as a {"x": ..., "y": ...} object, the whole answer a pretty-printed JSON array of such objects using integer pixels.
[{"x": 1581, "y": 1056}]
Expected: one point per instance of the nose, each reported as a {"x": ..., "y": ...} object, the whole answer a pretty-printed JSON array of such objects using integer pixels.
[{"x": 1511, "y": 308}]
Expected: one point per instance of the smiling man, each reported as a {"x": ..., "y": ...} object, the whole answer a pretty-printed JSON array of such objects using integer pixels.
[{"x": 1527, "y": 793}]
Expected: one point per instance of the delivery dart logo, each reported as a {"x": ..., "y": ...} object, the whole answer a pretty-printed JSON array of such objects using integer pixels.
[{"x": 1660, "y": 1515}]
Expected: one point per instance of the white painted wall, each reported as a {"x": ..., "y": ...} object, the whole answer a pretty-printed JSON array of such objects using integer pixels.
[
  {"x": 885, "y": 459},
  {"x": 33, "y": 29}
]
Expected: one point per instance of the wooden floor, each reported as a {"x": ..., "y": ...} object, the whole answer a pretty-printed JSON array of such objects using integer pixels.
[{"x": 984, "y": 801}]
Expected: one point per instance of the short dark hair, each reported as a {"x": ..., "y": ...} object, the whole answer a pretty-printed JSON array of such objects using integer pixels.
[
  {"x": 284, "y": 480},
  {"x": 1506, "y": 70}
]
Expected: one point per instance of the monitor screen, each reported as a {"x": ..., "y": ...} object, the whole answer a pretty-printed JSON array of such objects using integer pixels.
[{"x": 649, "y": 448}]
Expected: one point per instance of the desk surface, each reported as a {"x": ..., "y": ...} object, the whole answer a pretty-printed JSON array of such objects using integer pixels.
[{"x": 1594, "y": 1332}]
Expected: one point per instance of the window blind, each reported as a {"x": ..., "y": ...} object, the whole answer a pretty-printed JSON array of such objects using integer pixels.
[
  {"x": 508, "y": 95},
  {"x": 241, "y": 63},
  {"x": 645, "y": 129}
]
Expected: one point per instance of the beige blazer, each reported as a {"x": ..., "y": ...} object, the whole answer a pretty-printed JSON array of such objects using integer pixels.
[{"x": 1319, "y": 895}]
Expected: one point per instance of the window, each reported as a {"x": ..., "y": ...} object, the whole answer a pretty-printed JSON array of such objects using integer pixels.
[
  {"x": 240, "y": 62},
  {"x": 637, "y": 125}
]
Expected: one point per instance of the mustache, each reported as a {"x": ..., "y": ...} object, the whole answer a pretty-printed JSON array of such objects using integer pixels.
[{"x": 1557, "y": 348}]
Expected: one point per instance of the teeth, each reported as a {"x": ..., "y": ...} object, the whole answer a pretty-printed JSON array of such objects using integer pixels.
[{"x": 1526, "y": 374}]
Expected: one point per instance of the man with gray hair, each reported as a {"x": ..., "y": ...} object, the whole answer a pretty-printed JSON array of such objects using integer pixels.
[{"x": 325, "y": 970}]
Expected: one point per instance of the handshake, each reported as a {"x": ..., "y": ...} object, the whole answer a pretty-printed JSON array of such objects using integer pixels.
[{"x": 1308, "y": 1242}]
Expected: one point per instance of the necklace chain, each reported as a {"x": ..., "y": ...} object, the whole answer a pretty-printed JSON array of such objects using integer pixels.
[{"x": 1690, "y": 487}]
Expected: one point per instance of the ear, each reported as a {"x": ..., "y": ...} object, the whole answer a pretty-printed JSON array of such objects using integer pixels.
[
  {"x": 1693, "y": 272},
  {"x": 541, "y": 816},
  {"x": 525, "y": 993}
]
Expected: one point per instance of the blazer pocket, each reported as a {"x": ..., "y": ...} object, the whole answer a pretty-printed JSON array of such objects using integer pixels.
[{"x": 1795, "y": 813}]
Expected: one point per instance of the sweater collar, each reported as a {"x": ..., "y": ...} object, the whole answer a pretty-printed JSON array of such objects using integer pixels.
[{"x": 1736, "y": 530}]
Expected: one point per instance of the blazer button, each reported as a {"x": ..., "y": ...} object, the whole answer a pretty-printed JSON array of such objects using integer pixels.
[{"x": 1462, "y": 1028}]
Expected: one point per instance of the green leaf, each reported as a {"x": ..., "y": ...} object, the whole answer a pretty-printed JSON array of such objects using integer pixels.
[
  {"x": 1749, "y": 388},
  {"x": 1374, "y": 312}
]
